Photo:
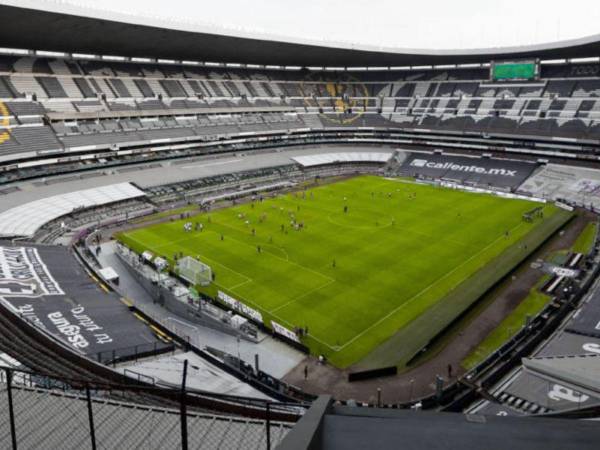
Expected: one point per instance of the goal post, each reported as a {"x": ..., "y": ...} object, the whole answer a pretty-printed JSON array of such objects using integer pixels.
[{"x": 194, "y": 271}]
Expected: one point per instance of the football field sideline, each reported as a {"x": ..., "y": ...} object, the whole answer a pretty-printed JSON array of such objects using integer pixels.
[{"x": 370, "y": 257}]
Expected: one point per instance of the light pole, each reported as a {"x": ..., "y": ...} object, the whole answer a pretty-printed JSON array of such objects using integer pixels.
[{"x": 412, "y": 383}]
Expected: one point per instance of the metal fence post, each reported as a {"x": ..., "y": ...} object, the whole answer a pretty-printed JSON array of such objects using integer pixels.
[
  {"x": 268, "y": 425},
  {"x": 11, "y": 411},
  {"x": 183, "y": 411},
  {"x": 90, "y": 416}
]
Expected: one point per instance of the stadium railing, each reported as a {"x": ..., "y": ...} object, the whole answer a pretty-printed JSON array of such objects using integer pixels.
[
  {"x": 240, "y": 369},
  {"x": 38, "y": 411},
  {"x": 482, "y": 377}
]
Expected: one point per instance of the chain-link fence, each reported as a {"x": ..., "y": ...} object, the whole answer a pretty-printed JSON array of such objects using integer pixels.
[{"x": 37, "y": 411}]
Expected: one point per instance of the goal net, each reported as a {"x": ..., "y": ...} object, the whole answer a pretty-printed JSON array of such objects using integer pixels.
[{"x": 194, "y": 271}]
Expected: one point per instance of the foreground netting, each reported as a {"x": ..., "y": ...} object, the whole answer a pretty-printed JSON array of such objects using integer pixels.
[{"x": 41, "y": 412}]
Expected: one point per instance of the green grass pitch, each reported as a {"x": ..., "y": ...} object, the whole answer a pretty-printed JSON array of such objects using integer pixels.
[{"x": 399, "y": 250}]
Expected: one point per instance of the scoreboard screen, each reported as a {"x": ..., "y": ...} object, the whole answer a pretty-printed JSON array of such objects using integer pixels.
[{"x": 522, "y": 70}]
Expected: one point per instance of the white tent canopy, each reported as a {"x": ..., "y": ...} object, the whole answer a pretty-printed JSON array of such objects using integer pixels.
[
  {"x": 349, "y": 157},
  {"x": 26, "y": 219}
]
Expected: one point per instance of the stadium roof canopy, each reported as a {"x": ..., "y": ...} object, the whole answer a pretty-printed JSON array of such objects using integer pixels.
[
  {"x": 26, "y": 219},
  {"x": 73, "y": 29}
]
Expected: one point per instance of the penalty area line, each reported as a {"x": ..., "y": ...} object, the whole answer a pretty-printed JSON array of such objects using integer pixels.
[
  {"x": 291, "y": 325},
  {"x": 306, "y": 294}
]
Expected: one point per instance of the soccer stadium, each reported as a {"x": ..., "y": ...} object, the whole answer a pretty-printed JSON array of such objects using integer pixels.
[{"x": 219, "y": 238}]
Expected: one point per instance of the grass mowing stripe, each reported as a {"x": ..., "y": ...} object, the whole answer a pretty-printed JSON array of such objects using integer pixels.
[
  {"x": 287, "y": 260},
  {"x": 585, "y": 241},
  {"x": 427, "y": 288},
  {"x": 530, "y": 306},
  {"x": 345, "y": 272},
  {"x": 422, "y": 329}
]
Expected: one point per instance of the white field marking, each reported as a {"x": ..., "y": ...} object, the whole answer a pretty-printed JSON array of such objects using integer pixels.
[
  {"x": 361, "y": 227},
  {"x": 220, "y": 163},
  {"x": 259, "y": 307},
  {"x": 227, "y": 288},
  {"x": 336, "y": 348},
  {"x": 176, "y": 241},
  {"x": 233, "y": 288},
  {"x": 301, "y": 296},
  {"x": 453, "y": 241},
  {"x": 372, "y": 227},
  {"x": 248, "y": 279},
  {"x": 417, "y": 295},
  {"x": 283, "y": 321},
  {"x": 291, "y": 325},
  {"x": 244, "y": 231},
  {"x": 398, "y": 180},
  {"x": 155, "y": 247},
  {"x": 276, "y": 247},
  {"x": 276, "y": 256}
]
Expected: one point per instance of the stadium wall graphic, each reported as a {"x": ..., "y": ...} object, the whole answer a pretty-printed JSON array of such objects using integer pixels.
[
  {"x": 23, "y": 274},
  {"x": 497, "y": 172},
  {"x": 46, "y": 286}
]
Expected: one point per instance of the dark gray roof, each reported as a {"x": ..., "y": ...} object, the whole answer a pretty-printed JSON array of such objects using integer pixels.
[
  {"x": 100, "y": 32},
  {"x": 579, "y": 370},
  {"x": 52, "y": 419},
  {"x": 360, "y": 428}
]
